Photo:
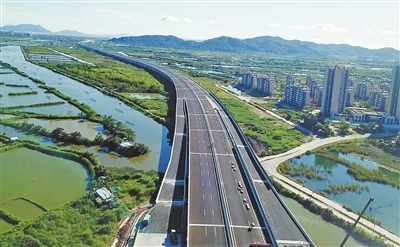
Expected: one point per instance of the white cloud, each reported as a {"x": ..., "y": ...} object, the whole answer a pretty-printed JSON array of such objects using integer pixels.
[
  {"x": 275, "y": 25},
  {"x": 187, "y": 20},
  {"x": 126, "y": 17},
  {"x": 389, "y": 32},
  {"x": 329, "y": 28},
  {"x": 207, "y": 21},
  {"x": 168, "y": 18},
  {"x": 297, "y": 27}
]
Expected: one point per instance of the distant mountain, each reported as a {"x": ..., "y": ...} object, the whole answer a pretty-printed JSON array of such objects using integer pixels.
[
  {"x": 70, "y": 33},
  {"x": 30, "y": 28},
  {"x": 267, "y": 44}
]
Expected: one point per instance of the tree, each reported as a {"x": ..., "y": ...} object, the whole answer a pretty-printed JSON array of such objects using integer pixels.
[{"x": 344, "y": 126}]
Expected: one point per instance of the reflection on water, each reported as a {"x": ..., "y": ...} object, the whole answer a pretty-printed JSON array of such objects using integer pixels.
[
  {"x": 321, "y": 232},
  {"x": 385, "y": 207}
]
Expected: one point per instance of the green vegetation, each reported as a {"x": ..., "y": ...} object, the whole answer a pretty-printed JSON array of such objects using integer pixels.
[
  {"x": 271, "y": 134},
  {"x": 82, "y": 221},
  {"x": 136, "y": 187},
  {"x": 338, "y": 189},
  {"x": 114, "y": 78},
  {"x": 8, "y": 66},
  {"x": 76, "y": 224},
  {"x": 38, "y": 50},
  {"x": 16, "y": 85},
  {"x": 32, "y": 202},
  {"x": 359, "y": 172},
  {"x": 326, "y": 214},
  {"x": 13, "y": 220},
  {"x": 302, "y": 170},
  {"x": 344, "y": 126},
  {"x": 381, "y": 151},
  {"x": 33, "y": 105},
  {"x": 23, "y": 93}
]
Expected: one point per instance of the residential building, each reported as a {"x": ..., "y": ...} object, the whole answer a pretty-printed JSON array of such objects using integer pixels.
[
  {"x": 292, "y": 79},
  {"x": 378, "y": 99},
  {"x": 297, "y": 95},
  {"x": 266, "y": 83},
  {"x": 313, "y": 83},
  {"x": 334, "y": 93},
  {"x": 317, "y": 97},
  {"x": 393, "y": 102},
  {"x": 363, "y": 90},
  {"x": 249, "y": 80},
  {"x": 349, "y": 100}
]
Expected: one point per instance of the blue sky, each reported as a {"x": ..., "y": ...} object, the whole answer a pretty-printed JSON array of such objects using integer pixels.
[{"x": 368, "y": 24}]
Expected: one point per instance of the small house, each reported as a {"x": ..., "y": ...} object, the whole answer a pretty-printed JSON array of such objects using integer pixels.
[
  {"x": 13, "y": 139},
  {"x": 125, "y": 144},
  {"x": 104, "y": 195}
]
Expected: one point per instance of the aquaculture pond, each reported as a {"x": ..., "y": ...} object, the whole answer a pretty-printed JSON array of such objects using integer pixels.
[
  {"x": 385, "y": 207},
  {"x": 148, "y": 132},
  {"x": 16, "y": 79},
  {"x": 11, "y": 132},
  {"x": 86, "y": 128},
  {"x": 321, "y": 232},
  {"x": 47, "y": 180}
]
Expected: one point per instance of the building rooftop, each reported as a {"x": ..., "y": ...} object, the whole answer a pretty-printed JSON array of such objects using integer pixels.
[
  {"x": 104, "y": 193},
  {"x": 125, "y": 144}
]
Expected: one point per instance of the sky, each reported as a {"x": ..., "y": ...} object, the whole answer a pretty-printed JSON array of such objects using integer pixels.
[{"x": 362, "y": 23}]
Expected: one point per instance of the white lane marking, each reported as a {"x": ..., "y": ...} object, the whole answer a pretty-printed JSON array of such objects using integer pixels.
[
  {"x": 201, "y": 183},
  {"x": 212, "y": 211},
  {"x": 211, "y": 197},
  {"x": 200, "y": 162},
  {"x": 209, "y": 184},
  {"x": 215, "y": 231},
  {"x": 204, "y": 212},
  {"x": 208, "y": 172},
  {"x": 201, "y": 173},
  {"x": 203, "y": 197},
  {"x": 205, "y": 230}
]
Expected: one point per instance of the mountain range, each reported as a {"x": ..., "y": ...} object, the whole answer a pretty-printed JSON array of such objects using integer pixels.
[
  {"x": 266, "y": 44},
  {"x": 31, "y": 28}
]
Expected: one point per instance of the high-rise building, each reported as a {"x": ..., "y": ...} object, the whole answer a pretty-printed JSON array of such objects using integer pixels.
[
  {"x": 312, "y": 83},
  {"x": 363, "y": 90},
  {"x": 292, "y": 79},
  {"x": 378, "y": 99},
  {"x": 266, "y": 83},
  {"x": 349, "y": 99},
  {"x": 334, "y": 94},
  {"x": 393, "y": 102},
  {"x": 296, "y": 94},
  {"x": 249, "y": 80},
  {"x": 317, "y": 97}
]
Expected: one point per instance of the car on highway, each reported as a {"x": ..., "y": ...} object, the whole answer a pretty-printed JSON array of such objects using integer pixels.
[{"x": 247, "y": 206}]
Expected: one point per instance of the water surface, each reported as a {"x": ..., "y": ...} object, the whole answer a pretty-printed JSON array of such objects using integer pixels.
[{"x": 385, "y": 207}]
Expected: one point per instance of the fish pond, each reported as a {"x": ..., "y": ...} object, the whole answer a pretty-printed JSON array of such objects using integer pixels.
[
  {"x": 385, "y": 207},
  {"x": 148, "y": 132},
  {"x": 32, "y": 176}
]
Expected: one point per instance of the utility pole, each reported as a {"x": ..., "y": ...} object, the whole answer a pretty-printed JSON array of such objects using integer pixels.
[{"x": 355, "y": 223}]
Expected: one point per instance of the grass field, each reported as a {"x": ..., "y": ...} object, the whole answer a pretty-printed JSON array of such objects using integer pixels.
[{"x": 276, "y": 135}]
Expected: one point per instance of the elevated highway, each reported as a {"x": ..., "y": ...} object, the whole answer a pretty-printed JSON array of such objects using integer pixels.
[{"x": 214, "y": 177}]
